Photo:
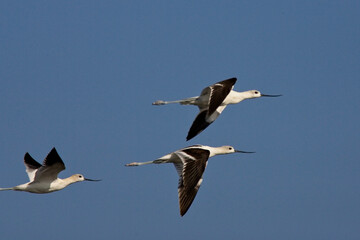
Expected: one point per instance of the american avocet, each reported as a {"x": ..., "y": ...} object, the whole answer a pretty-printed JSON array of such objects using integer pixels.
[
  {"x": 190, "y": 164},
  {"x": 43, "y": 178},
  {"x": 212, "y": 101}
]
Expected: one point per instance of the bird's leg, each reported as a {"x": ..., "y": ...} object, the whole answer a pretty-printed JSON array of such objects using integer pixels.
[
  {"x": 133, "y": 164},
  {"x": 187, "y": 101},
  {"x": 157, "y": 161}
]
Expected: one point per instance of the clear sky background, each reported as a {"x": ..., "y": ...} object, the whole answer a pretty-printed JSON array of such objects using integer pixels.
[{"x": 81, "y": 76}]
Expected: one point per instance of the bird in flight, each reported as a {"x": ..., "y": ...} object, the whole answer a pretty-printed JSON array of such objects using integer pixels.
[
  {"x": 212, "y": 101},
  {"x": 190, "y": 164},
  {"x": 44, "y": 178}
]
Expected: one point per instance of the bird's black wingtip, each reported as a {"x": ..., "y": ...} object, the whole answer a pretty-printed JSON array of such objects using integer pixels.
[
  {"x": 191, "y": 135},
  {"x": 52, "y": 158},
  {"x": 183, "y": 212},
  {"x": 234, "y": 79},
  {"x": 30, "y": 162}
]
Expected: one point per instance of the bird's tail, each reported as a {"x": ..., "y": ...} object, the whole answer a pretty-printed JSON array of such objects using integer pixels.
[{"x": 4, "y": 189}]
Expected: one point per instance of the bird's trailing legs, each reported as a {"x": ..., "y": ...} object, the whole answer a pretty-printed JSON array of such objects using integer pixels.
[{"x": 187, "y": 101}]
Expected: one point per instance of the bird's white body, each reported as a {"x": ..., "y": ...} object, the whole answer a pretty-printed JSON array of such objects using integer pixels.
[
  {"x": 212, "y": 101},
  {"x": 190, "y": 164},
  {"x": 202, "y": 101},
  {"x": 235, "y": 97},
  {"x": 43, "y": 178},
  {"x": 174, "y": 158},
  {"x": 47, "y": 186}
]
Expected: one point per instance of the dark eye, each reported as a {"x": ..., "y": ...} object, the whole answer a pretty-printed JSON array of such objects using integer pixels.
[
  {"x": 256, "y": 92},
  {"x": 80, "y": 176},
  {"x": 230, "y": 148}
]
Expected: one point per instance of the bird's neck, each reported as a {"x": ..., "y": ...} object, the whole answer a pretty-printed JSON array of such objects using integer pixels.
[
  {"x": 215, "y": 151},
  {"x": 63, "y": 183},
  {"x": 236, "y": 97}
]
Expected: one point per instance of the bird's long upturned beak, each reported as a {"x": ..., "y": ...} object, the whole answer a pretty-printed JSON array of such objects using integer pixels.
[
  {"x": 92, "y": 180},
  {"x": 243, "y": 151},
  {"x": 267, "y": 95}
]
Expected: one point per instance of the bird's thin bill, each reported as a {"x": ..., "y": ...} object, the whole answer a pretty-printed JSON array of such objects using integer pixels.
[
  {"x": 267, "y": 95},
  {"x": 92, "y": 180},
  {"x": 239, "y": 151}
]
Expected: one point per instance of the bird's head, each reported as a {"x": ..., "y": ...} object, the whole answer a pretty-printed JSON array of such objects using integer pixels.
[
  {"x": 80, "y": 178},
  {"x": 257, "y": 94},
  {"x": 230, "y": 149}
]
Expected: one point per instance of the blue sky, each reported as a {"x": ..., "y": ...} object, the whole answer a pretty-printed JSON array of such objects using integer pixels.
[{"x": 81, "y": 76}]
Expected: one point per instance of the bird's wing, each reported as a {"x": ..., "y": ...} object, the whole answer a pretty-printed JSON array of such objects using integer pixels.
[
  {"x": 52, "y": 165},
  {"x": 31, "y": 166},
  {"x": 194, "y": 161},
  {"x": 198, "y": 125},
  {"x": 218, "y": 93},
  {"x": 202, "y": 121}
]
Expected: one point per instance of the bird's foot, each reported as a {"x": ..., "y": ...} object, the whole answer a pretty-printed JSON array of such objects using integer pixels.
[
  {"x": 132, "y": 164},
  {"x": 159, "y": 102}
]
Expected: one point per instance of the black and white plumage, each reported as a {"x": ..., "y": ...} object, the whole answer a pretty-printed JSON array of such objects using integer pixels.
[
  {"x": 212, "y": 101},
  {"x": 43, "y": 178},
  {"x": 190, "y": 164}
]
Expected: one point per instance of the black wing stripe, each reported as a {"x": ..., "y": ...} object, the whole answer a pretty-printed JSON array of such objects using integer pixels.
[
  {"x": 196, "y": 152},
  {"x": 194, "y": 168},
  {"x": 189, "y": 182},
  {"x": 30, "y": 162},
  {"x": 186, "y": 197},
  {"x": 219, "y": 92},
  {"x": 52, "y": 158},
  {"x": 198, "y": 125}
]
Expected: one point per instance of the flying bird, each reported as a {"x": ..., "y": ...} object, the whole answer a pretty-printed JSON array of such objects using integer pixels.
[
  {"x": 212, "y": 101},
  {"x": 44, "y": 178},
  {"x": 190, "y": 164}
]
